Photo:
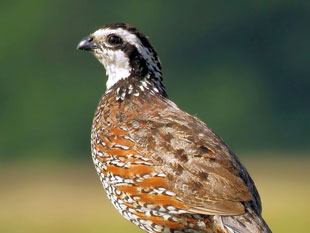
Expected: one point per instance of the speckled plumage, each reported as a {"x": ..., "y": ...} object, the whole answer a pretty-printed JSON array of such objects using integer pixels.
[{"x": 163, "y": 169}]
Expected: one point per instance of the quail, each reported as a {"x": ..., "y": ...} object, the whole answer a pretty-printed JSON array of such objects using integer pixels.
[{"x": 163, "y": 169}]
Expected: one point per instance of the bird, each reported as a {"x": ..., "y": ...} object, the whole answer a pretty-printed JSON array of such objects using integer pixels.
[{"x": 162, "y": 168}]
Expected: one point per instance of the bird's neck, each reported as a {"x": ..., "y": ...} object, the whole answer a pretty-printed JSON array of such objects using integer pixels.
[{"x": 134, "y": 85}]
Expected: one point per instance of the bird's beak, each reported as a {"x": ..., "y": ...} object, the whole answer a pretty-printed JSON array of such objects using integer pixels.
[{"x": 88, "y": 44}]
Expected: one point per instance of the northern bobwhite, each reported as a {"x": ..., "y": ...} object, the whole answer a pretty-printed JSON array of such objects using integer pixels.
[{"x": 162, "y": 169}]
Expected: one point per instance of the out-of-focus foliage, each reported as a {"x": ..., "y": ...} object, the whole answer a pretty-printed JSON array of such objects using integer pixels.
[{"x": 241, "y": 66}]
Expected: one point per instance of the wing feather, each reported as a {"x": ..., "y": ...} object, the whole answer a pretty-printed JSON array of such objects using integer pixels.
[{"x": 200, "y": 167}]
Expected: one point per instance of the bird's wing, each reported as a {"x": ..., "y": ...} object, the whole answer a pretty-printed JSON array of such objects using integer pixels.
[{"x": 200, "y": 168}]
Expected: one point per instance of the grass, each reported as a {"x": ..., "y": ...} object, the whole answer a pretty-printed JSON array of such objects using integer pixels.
[{"x": 54, "y": 197}]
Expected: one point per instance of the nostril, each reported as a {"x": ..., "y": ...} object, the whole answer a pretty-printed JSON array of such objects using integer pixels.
[{"x": 90, "y": 39}]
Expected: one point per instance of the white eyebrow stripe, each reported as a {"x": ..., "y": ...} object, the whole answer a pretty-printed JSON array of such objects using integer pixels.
[{"x": 127, "y": 36}]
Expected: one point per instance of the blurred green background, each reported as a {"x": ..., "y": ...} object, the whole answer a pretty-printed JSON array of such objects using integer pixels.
[{"x": 240, "y": 66}]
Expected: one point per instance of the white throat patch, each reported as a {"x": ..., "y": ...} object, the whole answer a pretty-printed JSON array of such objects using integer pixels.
[{"x": 117, "y": 66}]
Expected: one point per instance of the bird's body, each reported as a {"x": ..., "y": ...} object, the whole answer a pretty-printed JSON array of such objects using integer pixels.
[{"x": 162, "y": 169}]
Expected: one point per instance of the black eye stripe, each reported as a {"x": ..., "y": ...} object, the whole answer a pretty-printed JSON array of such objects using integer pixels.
[{"x": 114, "y": 40}]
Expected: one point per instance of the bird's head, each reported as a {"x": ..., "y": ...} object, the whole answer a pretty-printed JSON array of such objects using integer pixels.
[{"x": 125, "y": 53}]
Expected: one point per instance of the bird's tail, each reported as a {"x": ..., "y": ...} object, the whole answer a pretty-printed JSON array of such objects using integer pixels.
[{"x": 249, "y": 222}]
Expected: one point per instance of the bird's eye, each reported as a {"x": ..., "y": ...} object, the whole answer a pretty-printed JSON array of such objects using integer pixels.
[{"x": 115, "y": 40}]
